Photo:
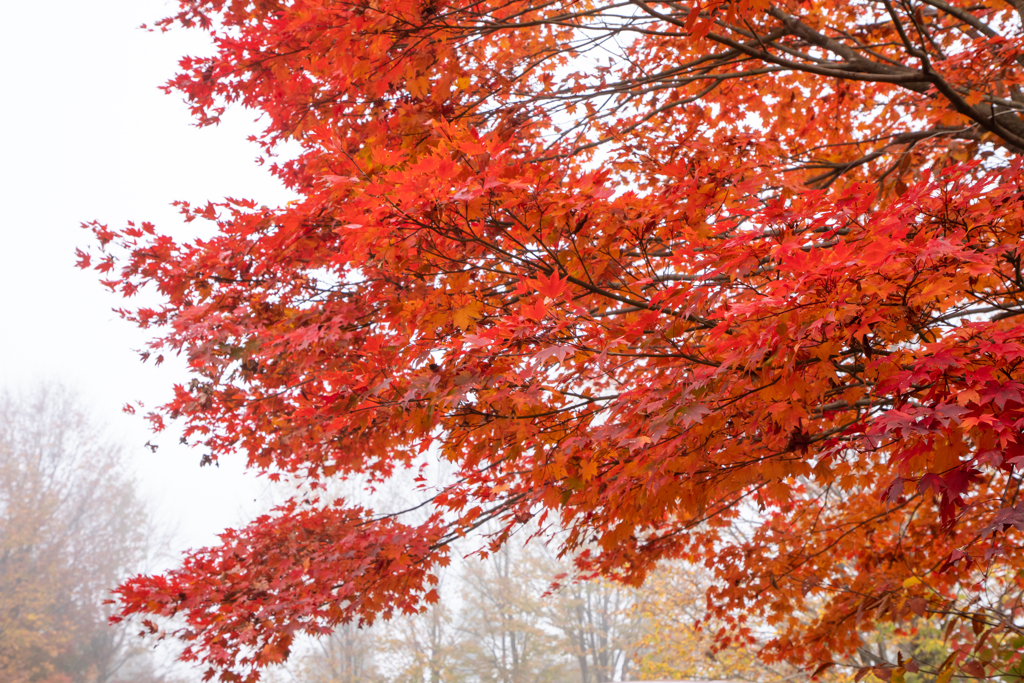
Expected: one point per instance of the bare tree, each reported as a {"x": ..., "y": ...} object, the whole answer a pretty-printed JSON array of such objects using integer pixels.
[
  {"x": 426, "y": 648},
  {"x": 419, "y": 648},
  {"x": 346, "y": 656},
  {"x": 597, "y": 624},
  {"x": 503, "y": 619}
]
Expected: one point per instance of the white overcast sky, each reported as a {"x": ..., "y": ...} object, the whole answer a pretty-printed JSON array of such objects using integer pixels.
[{"x": 86, "y": 134}]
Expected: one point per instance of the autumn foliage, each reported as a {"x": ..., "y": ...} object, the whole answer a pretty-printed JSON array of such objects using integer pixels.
[{"x": 733, "y": 283}]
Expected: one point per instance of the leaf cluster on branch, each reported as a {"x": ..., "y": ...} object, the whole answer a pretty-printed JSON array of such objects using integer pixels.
[{"x": 731, "y": 282}]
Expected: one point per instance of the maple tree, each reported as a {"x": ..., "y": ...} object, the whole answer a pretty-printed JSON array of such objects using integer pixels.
[{"x": 650, "y": 272}]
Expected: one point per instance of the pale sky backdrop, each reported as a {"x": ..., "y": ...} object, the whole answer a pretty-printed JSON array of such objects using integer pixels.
[{"x": 86, "y": 134}]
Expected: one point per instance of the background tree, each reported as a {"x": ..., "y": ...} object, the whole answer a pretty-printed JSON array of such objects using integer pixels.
[
  {"x": 501, "y": 621},
  {"x": 652, "y": 271},
  {"x": 677, "y": 640},
  {"x": 599, "y": 628},
  {"x": 427, "y": 647},
  {"x": 418, "y": 648},
  {"x": 71, "y": 527},
  {"x": 349, "y": 655},
  {"x": 918, "y": 640},
  {"x": 523, "y": 624}
]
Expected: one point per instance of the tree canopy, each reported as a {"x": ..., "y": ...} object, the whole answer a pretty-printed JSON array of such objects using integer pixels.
[{"x": 727, "y": 282}]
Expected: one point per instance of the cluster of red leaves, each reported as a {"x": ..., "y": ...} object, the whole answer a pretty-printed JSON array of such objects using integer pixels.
[
  {"x": 282, "y": 575},
  {"x": 731, "y": 282}
]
